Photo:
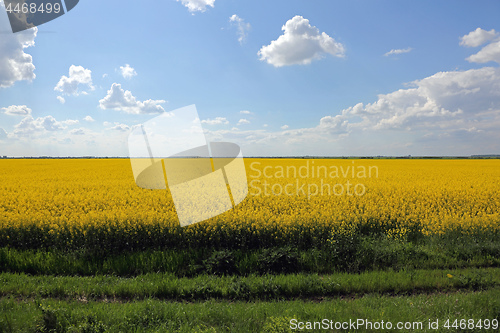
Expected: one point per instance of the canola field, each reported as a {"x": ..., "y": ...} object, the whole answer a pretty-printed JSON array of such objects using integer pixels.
[{"x": 95, "y": 203}]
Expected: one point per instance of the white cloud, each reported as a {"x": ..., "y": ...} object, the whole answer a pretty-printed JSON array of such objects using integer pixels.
[
  {"x": 197, "y": 5},
  {"x": 15, "y": 64},
  {"x": 490, "y": 52},
  {"x": 246, "y": 112},
  {"x": 123, "y": 100},
  {"x": 398, "y": 51},
  {"x": 78, "y": 131},
  {"x": 89, "y": 119},
  {"x": 3, "y": 134},
  {"x": 120, "y": 127},
  {"x": 300, "y": 44},
  {"x": 456, "y": 112},
  {"x": 216, "y": 121},
  {"x": 242, "y": 26},
  {"x": 478, "y": 37},
  {"x": 445, "y": 100},
  {"x": 70, "y": 122},
  {"x": 29, "y": 125},
  {"x": 61, "y": 99},
  {"x": 17, "y": 110},
  {"x": 127, "y": 71},
  {"x": 78, "y": 76},
  {"x": 243, "y": 121}
]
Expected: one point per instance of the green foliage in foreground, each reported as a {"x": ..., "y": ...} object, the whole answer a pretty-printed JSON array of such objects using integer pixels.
[
  {"x": 454, "y": 250},
  {"x": 48, "y": 315}
]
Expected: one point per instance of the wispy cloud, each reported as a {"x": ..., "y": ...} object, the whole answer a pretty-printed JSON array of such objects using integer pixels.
[{"x": 398, "y": 51}]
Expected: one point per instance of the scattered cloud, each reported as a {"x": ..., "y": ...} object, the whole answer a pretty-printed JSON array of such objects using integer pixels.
[
  {"x": 120, "y": 127},
  {"x": 78, "y": 131},
  {"x": 455, "y": 112},
  {"x": 3, "y": 134},
  {"x": 15, "y": 64},
  {"x": 478, "y": 37},
  {"x": 490, "y": 52},
  {"x": 398, "y": 51},
  {"x": 127, "y": 72},
  {"x": 78, "y": 76},
  {"x": 29, "y": 125},
  {"x": 243, "y": 121},
  {"x": 197, "y": 5},
  {"x": 61, "y": 99},
  {"x": 17, "y": 110},
  {"x": 300, "y": 44},
  {"x": 242, "y": 26},
  {"x": 123, "y": 100},
  {"x": 89, "y": 119},
  {"x": 246, "y": 112},
  {"x": 70, "y": 122},
  {"x": 443, "y": 100},
  {"x": 216, "y": 121}
]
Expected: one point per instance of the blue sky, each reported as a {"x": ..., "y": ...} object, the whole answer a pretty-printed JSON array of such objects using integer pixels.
[{"x": 276, "y": 77}]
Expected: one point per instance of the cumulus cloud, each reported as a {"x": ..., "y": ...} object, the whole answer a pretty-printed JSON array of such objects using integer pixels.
[
  {"x": 216, "y": 121},
  {"x": 478, "y": 37},
  {"x": 89, "y": 119},
  {"x": 30, "y": 125},
  {"x": 17, "y": 110},
  {"x": 197, "y": 5},
  {"x": 398, "y": 51},
  {"x": 70, "y": 122},
  {"x": 61, "y": 99},
  {"x": 300, "y": 44},
  {"x": 78, "y": 131},
  {"x": 242, "y": 26},
  {"x": 490, "y": 52},
  {"x": 15, "y": 64},
  {"x": 246, "y": 112},
  {"x": 455, "y": 112},
  {"x": 78, "y": 76},
  {"x": 127, "y": 71},
  {"x": 120, "y": 127},
  {"x": 243, "y": 121},
  {"x": 123, "y": 100},
  {"x": 445, "y": 100}
]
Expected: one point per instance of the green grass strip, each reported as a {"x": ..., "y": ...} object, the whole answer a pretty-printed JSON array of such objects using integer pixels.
[
  {"x": 265, "y": 287},
  {"x": 151, "y": 315}
]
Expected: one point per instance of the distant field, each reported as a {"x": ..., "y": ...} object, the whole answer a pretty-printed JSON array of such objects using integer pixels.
[{"x": 305, "y": 203}]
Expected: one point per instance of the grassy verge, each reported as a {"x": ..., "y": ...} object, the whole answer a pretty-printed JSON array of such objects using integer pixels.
[
  {"x": 48, "y": 315},
  {"x": 346, "y": 255},
  {"x": 266, "y": 287}
]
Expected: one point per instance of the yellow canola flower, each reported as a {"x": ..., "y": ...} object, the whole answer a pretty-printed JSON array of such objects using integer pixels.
[{"x": 288, "y": 199}]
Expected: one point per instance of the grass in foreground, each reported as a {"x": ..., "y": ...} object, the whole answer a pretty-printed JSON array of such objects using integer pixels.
[
  {"x": 266, "y": 287},
  {"x": 49, "y": 315}
]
